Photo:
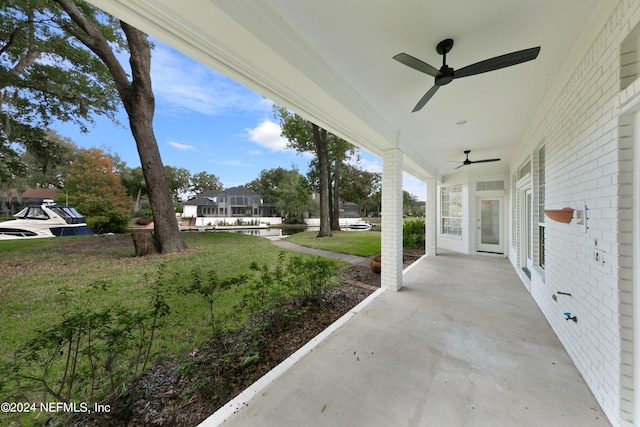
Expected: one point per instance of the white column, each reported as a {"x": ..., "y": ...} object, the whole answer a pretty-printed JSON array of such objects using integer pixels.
[
  {"x": 636, "y": 272},
  {"x": 391, "y": 219},
  {"x": 431, "y": 217}
]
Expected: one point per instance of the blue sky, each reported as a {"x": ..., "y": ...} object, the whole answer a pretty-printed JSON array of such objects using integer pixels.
[{"x": 205, "y": 121}]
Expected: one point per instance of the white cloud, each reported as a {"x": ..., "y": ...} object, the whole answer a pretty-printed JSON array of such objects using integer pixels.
[
  {"x": 183, "y": 84},
  {"x": 267, "y": 134},
  {"x": 365, "y": 163},
  {"x": 179, "y": 146},
  {"x": 232, "y": 163},
  {"x": 414, "y": 186}
]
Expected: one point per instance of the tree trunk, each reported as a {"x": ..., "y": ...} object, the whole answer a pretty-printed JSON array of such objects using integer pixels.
[
  {"x": 137, "y": 98},
  {"x": 320, "y": 139},
  {"x": 136, "y": 208},
  {"x": 143, "y": 242},
  {"x": 140, "y": 106},
  {"x": 335, "y": 217}
]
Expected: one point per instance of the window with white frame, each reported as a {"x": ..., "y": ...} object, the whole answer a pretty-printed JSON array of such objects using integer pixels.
[
  {"x": 524, "y": 170},
  {"x": 541, "y": 200},
  {"x": 451, "y": 210}
]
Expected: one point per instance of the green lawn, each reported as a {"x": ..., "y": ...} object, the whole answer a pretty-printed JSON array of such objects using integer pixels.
[
  {"x": 362, "y": 243},
  {"x": 32, "y": 273}
]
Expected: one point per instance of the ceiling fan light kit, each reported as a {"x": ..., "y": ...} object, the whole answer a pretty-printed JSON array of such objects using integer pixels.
[{"x": 446, "y": 74}]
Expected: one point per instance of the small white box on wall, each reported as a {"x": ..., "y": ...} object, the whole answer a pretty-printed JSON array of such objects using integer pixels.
[{"x": 580, "y": 216}]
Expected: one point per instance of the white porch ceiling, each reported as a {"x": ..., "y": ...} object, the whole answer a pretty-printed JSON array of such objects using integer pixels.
[{"x": 331, "y": 61}]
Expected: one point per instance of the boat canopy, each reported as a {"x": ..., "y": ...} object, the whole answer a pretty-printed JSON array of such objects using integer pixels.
[{"x": 69, "y": 214}]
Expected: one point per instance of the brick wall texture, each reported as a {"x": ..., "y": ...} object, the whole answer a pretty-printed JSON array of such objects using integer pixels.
[{"x": 589, "y": 150}]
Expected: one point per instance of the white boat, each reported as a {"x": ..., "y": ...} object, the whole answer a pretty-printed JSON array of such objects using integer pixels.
[
  {"x": 360, "y": 226},
  {"x": 46, "y": 220}
]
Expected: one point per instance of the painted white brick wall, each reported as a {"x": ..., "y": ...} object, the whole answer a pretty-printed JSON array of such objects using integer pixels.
[
  {"x": 466, "y": 243},
  {"x": 391, "y": 273},
  {"x": 431, "y": 216},
  {"x": 588, "y": 163}
]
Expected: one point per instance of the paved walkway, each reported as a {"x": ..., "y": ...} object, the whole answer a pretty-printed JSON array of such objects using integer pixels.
[{"x": 462, "y": 344}]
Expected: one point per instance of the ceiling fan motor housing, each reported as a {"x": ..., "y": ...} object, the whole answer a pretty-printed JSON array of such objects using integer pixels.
[{"x": 445, "y": 76}]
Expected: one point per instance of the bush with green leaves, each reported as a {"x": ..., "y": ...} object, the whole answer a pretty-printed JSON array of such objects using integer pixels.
[
  {"x": 268, "y": 289},
  {"x": 92, "y": 351},
  {"x": 114, "y": 221},
  {"x": 210, "y": 287},
  {"x": 413, "y": 233},
  {"x": 304, "y": 278},
  {"x": 311, "y": 278},
  {"x": 270, "y": 295}
]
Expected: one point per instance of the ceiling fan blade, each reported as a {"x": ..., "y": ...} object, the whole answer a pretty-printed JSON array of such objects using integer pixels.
[
  {"x": 416, "y": 64},
  {"x": 485, "y": 161},
  {"x": 460, "y": 166},
  {"x": 498, "y": 62},
  {"x": 427, "y": 96}
]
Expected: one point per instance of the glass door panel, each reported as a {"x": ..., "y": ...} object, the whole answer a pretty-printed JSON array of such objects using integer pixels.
[{"x": 490, "y": 225}]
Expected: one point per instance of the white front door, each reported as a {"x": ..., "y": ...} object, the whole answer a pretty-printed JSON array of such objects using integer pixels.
[{"x": 490, "y": 217}]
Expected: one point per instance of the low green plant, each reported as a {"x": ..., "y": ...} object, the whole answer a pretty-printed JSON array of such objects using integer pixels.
[
  {"x": 311, "y": 278},
  {"x": 413, "y": 233},
  {"x": 267, "y": 289},
  {"x": 294, "y": 221},
  {"x": 305, "y": 278},
  {"x": 93, "y": 350},
  {"x": 210, "y": 287}
]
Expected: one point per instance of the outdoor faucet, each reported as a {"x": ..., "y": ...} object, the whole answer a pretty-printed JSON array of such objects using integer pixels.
[{"x": 568, "y": 316}]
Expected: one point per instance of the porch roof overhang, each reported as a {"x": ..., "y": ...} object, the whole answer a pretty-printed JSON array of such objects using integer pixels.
[{"x": 331, "y": 62}]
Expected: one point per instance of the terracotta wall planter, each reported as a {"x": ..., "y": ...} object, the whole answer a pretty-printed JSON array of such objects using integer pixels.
[
  {"x": 561, "y": 215},
  {"x": 376, "y": 264}
]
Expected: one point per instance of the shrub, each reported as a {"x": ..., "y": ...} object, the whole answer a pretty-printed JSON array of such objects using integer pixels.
[
  {"x": 144, "y": 220},
  {"x": 91, "y": 352},
  {"x": 294, "y": 221},
  {"x": 114, "y": 221},
  {"x": 311, "y": 278},
  {"x": 210, "y": 287},
  {"x": 271, "y": 288},
  {"x": 413, "y": 234}
]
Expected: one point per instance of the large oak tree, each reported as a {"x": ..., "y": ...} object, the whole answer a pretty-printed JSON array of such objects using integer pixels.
[
  {"x": 331, "y": 153},
  {"x": 137, "y": 97},
  {"x": 87, "y": 37},
  {"x": 306, "y": 136}
]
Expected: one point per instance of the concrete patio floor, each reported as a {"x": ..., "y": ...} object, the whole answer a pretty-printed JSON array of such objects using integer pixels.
[{"x": 462, "y": 344}]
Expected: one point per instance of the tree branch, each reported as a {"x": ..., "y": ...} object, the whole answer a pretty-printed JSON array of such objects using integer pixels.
[
  {"x": 12, "y": 38},
  {"x": 96, "y": 41}
]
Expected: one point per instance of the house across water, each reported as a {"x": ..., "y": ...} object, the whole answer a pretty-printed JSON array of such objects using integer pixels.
[{"x": 233, "y": 206}]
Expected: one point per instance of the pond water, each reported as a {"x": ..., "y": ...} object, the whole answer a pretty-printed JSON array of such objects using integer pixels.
[{"x": 272, "y": 232}]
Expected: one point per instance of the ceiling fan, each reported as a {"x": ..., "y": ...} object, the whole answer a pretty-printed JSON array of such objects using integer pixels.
[
  {"x": 446, "y": 74},
  {"x": 467, "y": 162}
]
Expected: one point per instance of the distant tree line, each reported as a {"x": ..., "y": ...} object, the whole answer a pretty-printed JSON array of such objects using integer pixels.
[{"x": 101, "y": 186}]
